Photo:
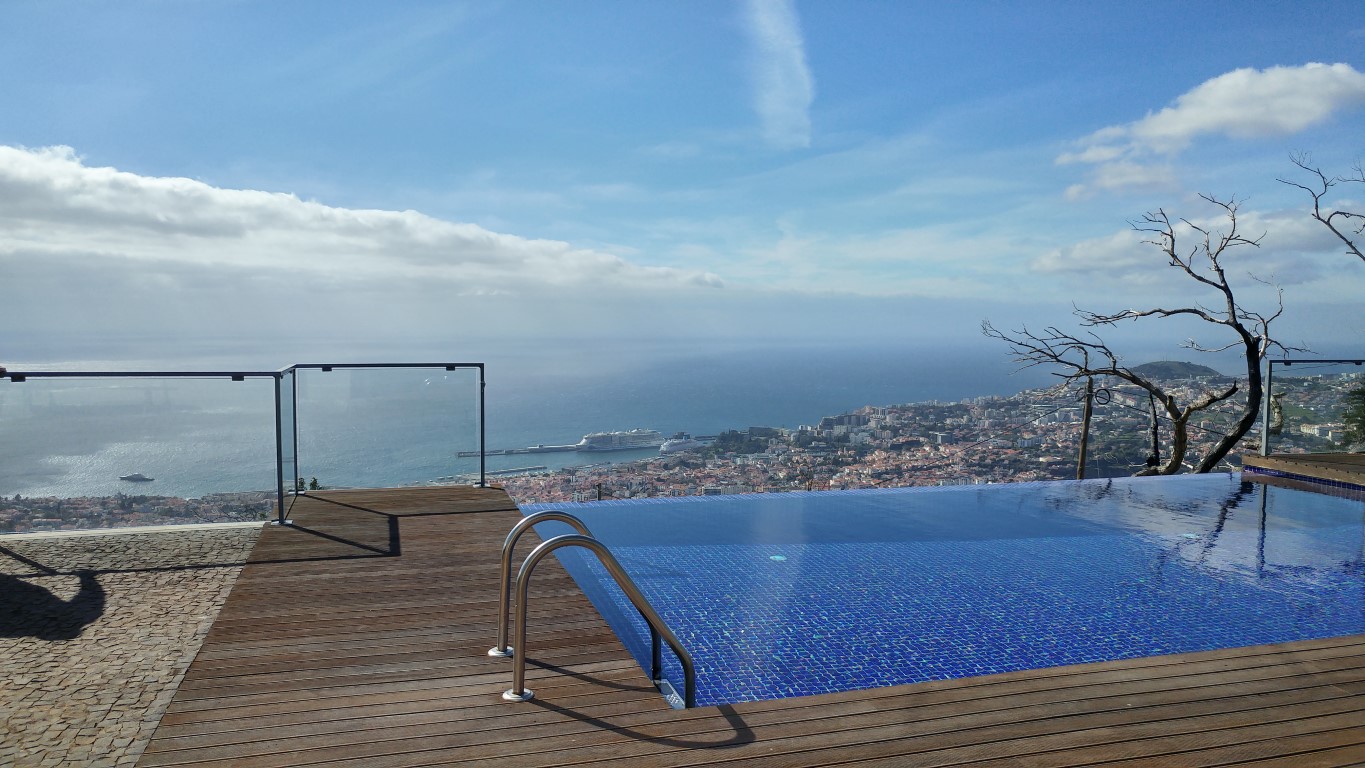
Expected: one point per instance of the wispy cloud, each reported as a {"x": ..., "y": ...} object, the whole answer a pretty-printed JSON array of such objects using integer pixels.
[
  {"x": 783, "y": 86},
  {"x": 1242, "y": 104},
  {"x": 408, "y": 46}
]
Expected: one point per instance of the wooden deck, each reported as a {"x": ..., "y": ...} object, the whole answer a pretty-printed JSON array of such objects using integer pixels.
[
  {"x": 1333, "y": 467},
  {"x": 359, "y": 639}
]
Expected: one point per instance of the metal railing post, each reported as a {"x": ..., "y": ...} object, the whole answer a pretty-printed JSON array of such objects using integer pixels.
[
  {"x": 294, "y": 415},
  {"x": 1265, "y": 408},
  {"x": 279, "y": 452},
  {"x": 483, "y": 452}
]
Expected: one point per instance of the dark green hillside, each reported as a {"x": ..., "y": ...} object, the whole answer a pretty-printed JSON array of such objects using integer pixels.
[{"x": 1174, "y": 369}]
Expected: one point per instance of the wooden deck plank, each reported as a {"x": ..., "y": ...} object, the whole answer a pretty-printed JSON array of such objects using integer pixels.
[
  {"x": 1259, "y": 679},
  {"x": 359, "y": 638},
  {"x": 864, "y": 730},
  {"x": 376, "y": 724},
  {"x": 1350, "y": 754}
]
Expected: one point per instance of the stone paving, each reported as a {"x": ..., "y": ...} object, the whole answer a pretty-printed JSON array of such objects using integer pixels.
[{"x": 96, "y": 631}]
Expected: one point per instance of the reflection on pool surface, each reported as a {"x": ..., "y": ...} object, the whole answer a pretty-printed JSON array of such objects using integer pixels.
[{"x": 779, "y": 595}]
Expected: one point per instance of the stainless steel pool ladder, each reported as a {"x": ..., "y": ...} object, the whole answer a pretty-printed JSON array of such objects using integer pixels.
[{"x": 657, "y": 627}]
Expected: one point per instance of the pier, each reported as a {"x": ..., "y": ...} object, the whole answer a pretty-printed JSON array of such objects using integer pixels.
[{"x": 517, "y": 451}]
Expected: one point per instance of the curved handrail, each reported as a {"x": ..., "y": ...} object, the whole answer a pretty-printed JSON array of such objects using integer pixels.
[
  {"x": 505, "y": 593},
  {"x": 519, "y": 692}
]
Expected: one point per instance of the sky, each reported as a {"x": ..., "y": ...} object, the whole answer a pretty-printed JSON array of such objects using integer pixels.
[{"x": 410, "y": 177}]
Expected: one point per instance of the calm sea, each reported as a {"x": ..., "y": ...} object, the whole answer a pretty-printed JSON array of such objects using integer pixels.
[{"x": 381, "y": 427}]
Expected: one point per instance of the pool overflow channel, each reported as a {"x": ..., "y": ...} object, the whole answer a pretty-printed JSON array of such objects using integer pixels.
[{"x": 584, "y": 539}]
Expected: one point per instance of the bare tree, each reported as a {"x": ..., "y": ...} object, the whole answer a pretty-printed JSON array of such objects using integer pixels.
[
  {"x": 1352, "y": 234},
  {"x": 1352, "y": 225},
  {"x": 1086, "y": 356}
]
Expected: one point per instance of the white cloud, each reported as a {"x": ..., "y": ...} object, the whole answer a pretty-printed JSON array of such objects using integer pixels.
[
  {"x": 52, "y": 203},
  {"x": 1241, "y": 104},
  {"x": 1125, "y": 175},
  {"x": 1250, "y": 103},
  {"x": 783, "y": 85},
  {"x": 1121, "y": 254},
  {"x": 1294, "y": 250}
]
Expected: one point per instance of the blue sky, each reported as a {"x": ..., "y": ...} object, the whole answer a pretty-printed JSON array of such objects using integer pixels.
[{"x": 451, "y": 173}]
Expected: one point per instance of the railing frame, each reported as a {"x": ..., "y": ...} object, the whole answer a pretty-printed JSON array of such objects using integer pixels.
[
  {"x": 291, "y": 431},
  {"x": 1266, "y": 393}
]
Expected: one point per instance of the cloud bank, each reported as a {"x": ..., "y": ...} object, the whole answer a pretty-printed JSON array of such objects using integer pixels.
[
  {"x": 783, "y": 86},
  {"x": 1242, "y": 104},
  {"x": 52, "y": 204},
  {"x": 90, "y": 253}
]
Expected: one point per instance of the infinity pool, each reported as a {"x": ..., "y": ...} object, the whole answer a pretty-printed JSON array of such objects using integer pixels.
[{"x": 779, "y": 595}]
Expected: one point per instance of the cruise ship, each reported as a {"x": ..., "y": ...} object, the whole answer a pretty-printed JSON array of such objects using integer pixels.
[
  {"x": 621, "y": 441},
  {"x": 679, "y": 443}
]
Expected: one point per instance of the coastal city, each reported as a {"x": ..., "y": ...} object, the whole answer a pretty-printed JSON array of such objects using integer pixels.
[{"x": 1032, "y": 435}]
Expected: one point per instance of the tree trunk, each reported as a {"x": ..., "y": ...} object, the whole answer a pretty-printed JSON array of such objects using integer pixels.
[
  {"x": 1253, "y": 347},
  {"x": 1085, "y": 426}
]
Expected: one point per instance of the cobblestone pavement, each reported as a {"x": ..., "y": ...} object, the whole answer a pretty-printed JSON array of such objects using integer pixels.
[{"x": 96, "y": 631}]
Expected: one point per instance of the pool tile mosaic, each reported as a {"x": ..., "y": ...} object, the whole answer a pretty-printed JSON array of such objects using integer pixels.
[{"x": 806, "y": 593}]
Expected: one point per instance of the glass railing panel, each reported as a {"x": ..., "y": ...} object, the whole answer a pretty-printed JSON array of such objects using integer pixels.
[
  {"x": 1308, "y": 406},
  {"x": 81, "y": 453},
  {"x": 388, "y": 427}
]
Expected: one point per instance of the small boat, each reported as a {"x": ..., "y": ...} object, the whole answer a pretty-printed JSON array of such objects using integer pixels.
[{"x": 136, "y": 477}]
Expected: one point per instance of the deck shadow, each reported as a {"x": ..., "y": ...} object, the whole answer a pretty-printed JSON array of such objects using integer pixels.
[
  {"x": 587, "y": 678},
  {"x": 326, "y": 529},
  {"x": 741, "y": 734}
]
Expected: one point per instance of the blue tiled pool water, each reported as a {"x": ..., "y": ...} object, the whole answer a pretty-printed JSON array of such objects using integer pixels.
[{"x": 779, "y": 595}]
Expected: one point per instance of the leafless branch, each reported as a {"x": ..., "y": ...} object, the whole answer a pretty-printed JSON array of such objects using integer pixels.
[
  {"x": 1093, "y": 319},
  {"x": 1211, "y": 398},
  {"x": 1321, "y": 187},
  {"x": 1192, "y": 344}
]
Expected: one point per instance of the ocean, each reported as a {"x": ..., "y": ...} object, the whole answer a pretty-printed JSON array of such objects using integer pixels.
[{"x": 64, "y": 437}]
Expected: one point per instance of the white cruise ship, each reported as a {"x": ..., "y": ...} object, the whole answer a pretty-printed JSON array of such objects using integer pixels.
[
  {"x": 679, "y": 443},
  {"x": 621, "y": 441}
]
